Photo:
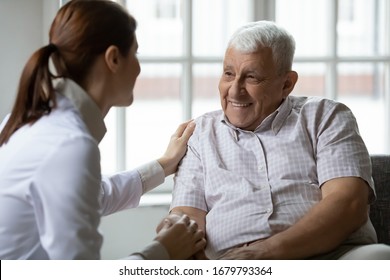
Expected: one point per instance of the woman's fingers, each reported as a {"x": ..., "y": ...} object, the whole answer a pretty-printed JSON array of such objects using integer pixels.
[
  {"x": 181, "y": 237},
  {"x": 184, "y": 132}
]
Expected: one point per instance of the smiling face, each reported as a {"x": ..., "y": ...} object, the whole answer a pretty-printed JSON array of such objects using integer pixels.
[{"x": 250, "y": 87}]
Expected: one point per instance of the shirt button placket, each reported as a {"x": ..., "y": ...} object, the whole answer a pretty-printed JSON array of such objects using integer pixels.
[
  {"x": 261, "y": 163},
  {"x": 263, "y": 175}
]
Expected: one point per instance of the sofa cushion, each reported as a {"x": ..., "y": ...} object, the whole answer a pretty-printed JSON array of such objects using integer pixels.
[{"x": 380, "y": 209}]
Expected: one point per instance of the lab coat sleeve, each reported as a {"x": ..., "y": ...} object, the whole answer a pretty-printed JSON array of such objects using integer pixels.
[{"x": 124, "y": 190}]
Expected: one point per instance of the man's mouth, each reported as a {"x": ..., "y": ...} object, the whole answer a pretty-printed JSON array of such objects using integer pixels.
[{"x": 237, "y": 104}]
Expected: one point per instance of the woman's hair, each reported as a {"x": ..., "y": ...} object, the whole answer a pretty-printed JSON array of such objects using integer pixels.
[
  {"x": 80, "y": 32},
  {"x": 265, "y": 34}
]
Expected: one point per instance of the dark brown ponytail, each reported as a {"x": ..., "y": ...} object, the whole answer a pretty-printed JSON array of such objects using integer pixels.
[{"x": 35, "y": 96}]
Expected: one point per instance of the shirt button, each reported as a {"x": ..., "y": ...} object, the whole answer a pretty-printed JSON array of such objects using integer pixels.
[{"x": 261, "y": 168}]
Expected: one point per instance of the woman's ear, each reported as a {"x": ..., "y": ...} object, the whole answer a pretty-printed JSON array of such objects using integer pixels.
[
  {"x": 112, "y": 58},
  {"x": 289, "y": 83}
]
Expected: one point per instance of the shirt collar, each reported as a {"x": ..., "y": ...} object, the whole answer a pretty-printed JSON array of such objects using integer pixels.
[
  {"x": 282, "y": 113},
  {"x": 89, "y": 111},
  {"x": 275, "y": 120}
]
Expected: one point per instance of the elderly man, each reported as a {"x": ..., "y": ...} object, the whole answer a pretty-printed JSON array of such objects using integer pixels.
[{"x": 274, "y": 176}]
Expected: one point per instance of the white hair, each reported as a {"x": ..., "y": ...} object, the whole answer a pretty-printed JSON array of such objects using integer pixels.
[{"x": 266, "y": 34}]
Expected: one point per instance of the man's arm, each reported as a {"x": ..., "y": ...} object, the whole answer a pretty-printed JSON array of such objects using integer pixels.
[
  {"x": 199, "y": 216},
  {"x": 342, "y": 210}
]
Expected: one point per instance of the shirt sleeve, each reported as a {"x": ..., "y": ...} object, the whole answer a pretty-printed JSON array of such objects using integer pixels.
[
  {"x": 341, "y": 151},
  {"x": 65, "y": 200},
  {"x": 124, "y": 190},
  {"x": 188, "y": 189},
  {"x": 154, "y": 251}
]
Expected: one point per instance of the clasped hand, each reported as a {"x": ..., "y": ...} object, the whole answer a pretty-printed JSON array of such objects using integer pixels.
[{"x": 180, "y": 236}]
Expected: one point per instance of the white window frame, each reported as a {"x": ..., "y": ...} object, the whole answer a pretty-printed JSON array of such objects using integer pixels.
[{"x": 262, "y": 10}]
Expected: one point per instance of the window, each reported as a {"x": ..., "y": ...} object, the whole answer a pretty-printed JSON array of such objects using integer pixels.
[{"x": 343, "y": 53}]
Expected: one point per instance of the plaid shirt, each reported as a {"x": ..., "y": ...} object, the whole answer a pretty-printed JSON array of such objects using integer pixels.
[{"x": 255, "y": 184}]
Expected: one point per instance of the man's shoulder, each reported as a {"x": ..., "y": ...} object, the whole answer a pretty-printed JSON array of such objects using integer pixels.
[
  {"x": 311, "y": 100},
  {"x": 310, "y": 103},
  {"x": 208, "y": 123},
  {"x": 209, "y": 118}
]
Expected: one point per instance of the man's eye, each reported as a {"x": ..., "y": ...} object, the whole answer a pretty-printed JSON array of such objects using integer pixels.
[{"x": 252, "y": 78}]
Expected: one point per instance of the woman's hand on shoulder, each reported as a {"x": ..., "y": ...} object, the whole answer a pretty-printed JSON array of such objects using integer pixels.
[{"x": 177, "y": 147}]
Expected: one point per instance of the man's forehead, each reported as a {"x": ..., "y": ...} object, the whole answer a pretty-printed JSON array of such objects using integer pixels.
[{"x": 262, "y": 56}]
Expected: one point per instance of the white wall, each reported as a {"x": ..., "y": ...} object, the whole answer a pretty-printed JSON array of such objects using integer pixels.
[
  {"x": 130, "y": 230},
  {"x": 20, "y": 34},
  {"x": 24, "y": 27}
]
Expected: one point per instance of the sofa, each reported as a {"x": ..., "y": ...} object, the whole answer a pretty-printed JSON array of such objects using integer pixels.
[{"x": 380, "y": 209}]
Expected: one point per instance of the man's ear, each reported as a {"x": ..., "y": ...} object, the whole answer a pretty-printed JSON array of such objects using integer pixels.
[
  {"x": 289, "y": 82},
  {"x": 112, "y": 58}
]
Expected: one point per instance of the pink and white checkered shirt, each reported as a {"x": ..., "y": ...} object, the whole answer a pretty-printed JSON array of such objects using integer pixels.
[{"x": 255, "y": 184}]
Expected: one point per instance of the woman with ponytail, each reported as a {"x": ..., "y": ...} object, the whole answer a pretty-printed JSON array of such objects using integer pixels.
[{"x": 52, "y": 194}]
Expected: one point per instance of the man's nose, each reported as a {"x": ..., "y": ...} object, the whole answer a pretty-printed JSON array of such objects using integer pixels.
[{"x": 237, "y": 88}]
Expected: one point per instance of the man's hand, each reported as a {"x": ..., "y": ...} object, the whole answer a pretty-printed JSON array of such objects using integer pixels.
[
  {"x": 169, "y": 220},
  {"x": 254, "y": 251}
]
